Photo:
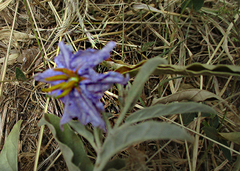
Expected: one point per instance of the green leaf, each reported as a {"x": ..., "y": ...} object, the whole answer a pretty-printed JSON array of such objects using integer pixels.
[
  {"x": 70, "y": 144},
  {"x": 20, "y": 76},
  {"x": 188, "y": 118},
  {"x": 116, "y": 164},
  {"x": 81, "y": 129},
  {"x": 168, "y": 109},
  {"x": 193, "y": 4},
  {"x": 232, "y": 136},
  {"x": 212, "y": 133},
  {"x": 214, "y": 122},
  {"x": 127, "y": 135},
  {"x": 8, "y": 156},
  {"x": 195, "y": 95},
  {"x": 197, "y": 4},
  {"x": 237, "y": 164},
  {"x": 138, "y": 84},
  {"x": 186, "y": 3},
  {"x": 147, "y": 45},
  {"x": 189, "y": 70},
  {"x": 142, "y": 76}
]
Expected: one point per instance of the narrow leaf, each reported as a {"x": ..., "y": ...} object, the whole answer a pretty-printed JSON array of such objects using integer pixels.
[
  {"x": 20, "y": 76},
  {"x": 70, "y": 144},
  {"x": 195, "y": 95},
  {"x": 188, "y": 118},
  {"x": 81, "y": 129},
  {"x": 197, "y": 4},
  {"x": 212, "y": 133},
  {"x": 193, "y": 4},
  {"x": 186, "y": 3},
  {"x": 192, "y": 69},
  {"x": 8, "y": 156},
  {"x": 232, "y": 136},
  {"x": 168, "y": 109},
  {"x": 138, "y": 84},
  {"x": 127, "y": 135},
  {"x": 237, "y": 164},
  {"x": 116, "y": 164}
]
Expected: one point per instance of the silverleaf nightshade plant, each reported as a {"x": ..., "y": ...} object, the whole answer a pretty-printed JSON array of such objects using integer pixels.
[{"x": 78, "y": 85}]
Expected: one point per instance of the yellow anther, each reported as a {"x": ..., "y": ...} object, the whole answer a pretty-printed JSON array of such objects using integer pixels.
[
  {"x": 55, "y": 87},
  {"x": 64, "y": 93},
  {"x": 70, "y": 73},
  {"x": 57, "y": 78},
  {"x": 69, "y": 84},
  {"x": 70, "y": 81}
]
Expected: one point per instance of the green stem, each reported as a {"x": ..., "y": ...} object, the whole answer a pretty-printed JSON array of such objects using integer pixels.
[
  {"x": 108, "y": 125},
  {"x": 97, "y": 138}
]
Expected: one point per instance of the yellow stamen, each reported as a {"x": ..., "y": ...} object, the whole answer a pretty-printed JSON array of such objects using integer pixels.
[
  {"x": 71, "y": 80},
  {"x": 82, "y": 78},
  {"x": 64, "y": 93},
  {"x": 57, "y": 78},
  {"x": 69, "y": 84},
  {"x": 65, "y": 71},
  {"x": 53, "y": 87}
]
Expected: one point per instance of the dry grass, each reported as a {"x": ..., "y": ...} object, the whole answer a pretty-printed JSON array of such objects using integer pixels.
[{"x": 211, "y": 37}]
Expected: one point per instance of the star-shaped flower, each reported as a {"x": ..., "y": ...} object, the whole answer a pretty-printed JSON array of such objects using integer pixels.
[{"x": 78, "y": 85}]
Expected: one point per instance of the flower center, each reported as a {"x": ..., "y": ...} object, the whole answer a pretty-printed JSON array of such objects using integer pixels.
[{"x": 70, "y": 80}]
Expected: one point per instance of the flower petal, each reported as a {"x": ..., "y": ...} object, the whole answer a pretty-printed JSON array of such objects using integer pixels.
[
  {"x": 64, "y": 58},
  {"x": 81, "y": 101},
  {"x": 79, "y": 106},
  {"x": 48, "y": 73},
  {"x": 99, "y": 83},
  {"x": 89, "y": 58}
]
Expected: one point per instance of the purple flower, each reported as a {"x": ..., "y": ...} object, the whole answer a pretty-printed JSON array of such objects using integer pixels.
[{"x": 77, "y": 84}]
